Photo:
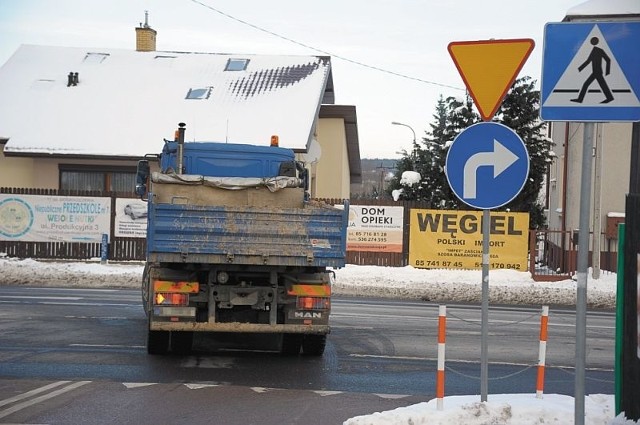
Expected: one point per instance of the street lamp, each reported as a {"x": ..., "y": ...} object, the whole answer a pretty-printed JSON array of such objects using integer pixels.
[
  {"x": 409, "y": 127},
  {"x": 415, "y": 145}
]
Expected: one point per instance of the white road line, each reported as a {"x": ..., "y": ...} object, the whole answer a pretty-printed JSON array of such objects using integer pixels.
[
  {"x": 20, "y": 406},
  {"x": 106, "y": 346},
  {"x": 13, "y": 297},
  {"x": 31, "y": 393}
]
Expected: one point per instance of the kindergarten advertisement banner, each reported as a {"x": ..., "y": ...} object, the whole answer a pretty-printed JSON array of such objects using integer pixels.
[
  {"x": 453, "y": 240},
  {"x": 38, "y": 218}
]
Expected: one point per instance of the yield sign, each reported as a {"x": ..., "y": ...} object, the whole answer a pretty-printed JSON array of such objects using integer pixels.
[{"x": 488, "y": 68}]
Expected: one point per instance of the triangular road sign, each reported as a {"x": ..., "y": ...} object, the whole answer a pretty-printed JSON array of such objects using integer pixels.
[{"x": 488, "y": 68}]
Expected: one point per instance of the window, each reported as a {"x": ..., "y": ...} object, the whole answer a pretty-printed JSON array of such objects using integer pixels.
[
  {"x": 95, "y": 57},
  {"x": 110, "y": 179},
  {"x": 236, "y": 64},
  {"x": 199, "y": 93}
]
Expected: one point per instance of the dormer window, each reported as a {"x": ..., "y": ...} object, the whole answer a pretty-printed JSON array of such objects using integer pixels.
[{"x": 236, "y": 64}]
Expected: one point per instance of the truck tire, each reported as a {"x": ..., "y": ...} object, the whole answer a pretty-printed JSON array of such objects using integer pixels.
[
  {"x": 181, "y": 342},
  {"x": 291, "y": 344},
  {"x": 157, "y": 342},
  {"x": 145, "y": 289},
  {"x": 313, "y": 345}
]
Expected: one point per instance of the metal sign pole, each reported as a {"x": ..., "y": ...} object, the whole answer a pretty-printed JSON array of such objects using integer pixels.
[
  {"x": 583, "y": 266},
  {"x": 484, "y": 339}
]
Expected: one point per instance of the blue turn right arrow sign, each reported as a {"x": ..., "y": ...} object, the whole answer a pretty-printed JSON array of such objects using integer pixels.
[{"x": 487, "y": 165}]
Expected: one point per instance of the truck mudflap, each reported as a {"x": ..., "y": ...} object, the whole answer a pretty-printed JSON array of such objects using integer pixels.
[{"x": 239, "y": 327}]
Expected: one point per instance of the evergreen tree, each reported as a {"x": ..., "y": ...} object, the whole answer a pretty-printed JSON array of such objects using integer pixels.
[
  {"x": 452, "y": 116},
  {"x": 519, "y": 111}
]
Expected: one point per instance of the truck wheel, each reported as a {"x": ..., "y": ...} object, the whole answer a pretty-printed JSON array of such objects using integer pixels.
[
  {"x": 291, "y": 344},
  {"x": 313, "y": 345},
  {"x": 157, "y": 342},
  {"x": 145, "y": 289},
  {"x": 181, "y": 342}
]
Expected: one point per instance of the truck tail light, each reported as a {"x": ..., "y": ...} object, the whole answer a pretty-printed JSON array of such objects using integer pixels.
[
  {"x": 182, "y": 287},
  {"x": 164, "y": 298},
  {"x": 176, "y": 293},
  {"x": 313, "y": 303},
  {"x": 309, "y": 290}
]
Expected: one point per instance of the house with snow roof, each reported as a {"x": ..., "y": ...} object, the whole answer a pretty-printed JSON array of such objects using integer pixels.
[{"x": 80, "y": 119}]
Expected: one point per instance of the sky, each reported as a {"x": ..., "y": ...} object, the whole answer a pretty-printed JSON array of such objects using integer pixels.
[
  {"x": 506, "y": 287},
  {"x": 406, "y": 37}
]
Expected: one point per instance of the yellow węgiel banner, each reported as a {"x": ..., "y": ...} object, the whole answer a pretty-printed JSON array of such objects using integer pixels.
[{"x": 442, "y": 239}]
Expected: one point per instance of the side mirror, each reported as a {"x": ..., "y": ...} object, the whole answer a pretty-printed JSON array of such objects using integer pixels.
[{"x": 142, "y": 175}]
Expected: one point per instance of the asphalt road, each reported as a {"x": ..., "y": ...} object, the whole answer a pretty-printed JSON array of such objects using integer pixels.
[{"x": 78, "y": 356}]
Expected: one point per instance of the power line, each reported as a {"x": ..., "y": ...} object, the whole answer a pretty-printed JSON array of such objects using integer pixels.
[{"x": 397, "y": 74}]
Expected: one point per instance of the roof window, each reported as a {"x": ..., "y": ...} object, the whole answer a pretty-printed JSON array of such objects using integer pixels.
[
  {"x": 95, "y": 57},
  {"x": 236, "y": 64},
  {"x": 199, "y": 93}
]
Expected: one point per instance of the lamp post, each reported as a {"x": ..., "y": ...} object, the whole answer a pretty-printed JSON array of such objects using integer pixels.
[{"x": 415, "y": 146}]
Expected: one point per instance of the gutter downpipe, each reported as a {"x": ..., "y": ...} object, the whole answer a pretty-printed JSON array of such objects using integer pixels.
[{"x": 563, "y": 222}]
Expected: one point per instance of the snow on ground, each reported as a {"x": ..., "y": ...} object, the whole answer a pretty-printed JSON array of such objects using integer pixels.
[
  {"x": 516, "y": 409},
  {"x": 442, "y": 286},
  {"x": 506, "y": 286}
]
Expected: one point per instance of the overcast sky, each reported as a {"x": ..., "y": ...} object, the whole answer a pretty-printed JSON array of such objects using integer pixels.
[{"x": 408, "y": 37}]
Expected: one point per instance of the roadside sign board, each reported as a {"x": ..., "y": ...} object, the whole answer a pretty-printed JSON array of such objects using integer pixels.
[
  {"x": 591, "y": 72},
  {"x": 488, "y": 69},
  {"x": 487, "y": 165},
  {"x": 452, "y": 239}
]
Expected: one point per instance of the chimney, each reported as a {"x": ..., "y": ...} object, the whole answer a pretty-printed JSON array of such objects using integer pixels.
[{"x": 145, "y": 36}]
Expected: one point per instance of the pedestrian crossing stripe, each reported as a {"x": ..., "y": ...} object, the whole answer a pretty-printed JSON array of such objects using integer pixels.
[
  {"x": 568, "y": 87},
  {"x": 591, "y": 72}
]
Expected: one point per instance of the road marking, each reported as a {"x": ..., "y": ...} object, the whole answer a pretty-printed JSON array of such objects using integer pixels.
[
  {"x": 130, "y": 385},
  {"x": 392, "y": 396},
  {"x": 29, "y": 403},
  {"x": 433, "y": 359},
  {"x": 106, "y": 346},
  {"x": 531, "y": 322},
  {"x": 327, "y": 393},
  {"x": 200, "y": 386},
  {"x": 262, "y": 389},
  {"x": 40, "y": 298},
  {"x": 32, "y": 393}
]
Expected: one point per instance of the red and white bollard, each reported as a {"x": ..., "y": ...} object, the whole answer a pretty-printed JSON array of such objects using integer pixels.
[
  {"x": 542, "y": 353},
  {"x": 442, "y": 332}
]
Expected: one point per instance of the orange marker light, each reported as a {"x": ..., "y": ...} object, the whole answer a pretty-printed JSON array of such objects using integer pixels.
[{"x": 275, "y": 141}]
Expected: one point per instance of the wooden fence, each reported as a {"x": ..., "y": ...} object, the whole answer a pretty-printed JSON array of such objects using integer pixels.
[{"x": 552, "y": 254}]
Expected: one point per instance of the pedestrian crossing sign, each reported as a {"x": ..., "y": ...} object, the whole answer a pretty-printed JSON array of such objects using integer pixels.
[{"x": 591, "y": 72}]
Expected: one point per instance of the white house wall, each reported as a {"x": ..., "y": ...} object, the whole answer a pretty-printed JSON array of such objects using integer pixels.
[{"x": 615, "y": 170}]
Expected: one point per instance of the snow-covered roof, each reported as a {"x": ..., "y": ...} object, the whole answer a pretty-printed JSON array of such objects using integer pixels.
[
  {"x": 126, "y": 102},
  {"x": 604, "y": 9}
]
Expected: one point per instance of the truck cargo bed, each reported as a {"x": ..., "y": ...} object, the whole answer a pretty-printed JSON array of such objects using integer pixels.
[{"x": 312, "y": 236}]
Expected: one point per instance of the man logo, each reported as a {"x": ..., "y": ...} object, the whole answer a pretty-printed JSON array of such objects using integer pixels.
[{"x": 307, "y": 315}]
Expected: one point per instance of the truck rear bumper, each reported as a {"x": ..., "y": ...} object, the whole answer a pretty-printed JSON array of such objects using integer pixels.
[{"x": 238, "y": 327}]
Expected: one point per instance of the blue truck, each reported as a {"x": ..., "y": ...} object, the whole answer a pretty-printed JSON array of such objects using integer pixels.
[{"x": 234, "y": 244}]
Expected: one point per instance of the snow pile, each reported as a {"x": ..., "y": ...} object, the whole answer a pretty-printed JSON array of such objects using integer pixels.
[
  {"x": 464, "y": 286},
  {"x": 410, "y": 178},
  {"x": 70, "y": 274},
  {"x": 505, "y": 286},
  {"x": 516, "y": 409}
]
